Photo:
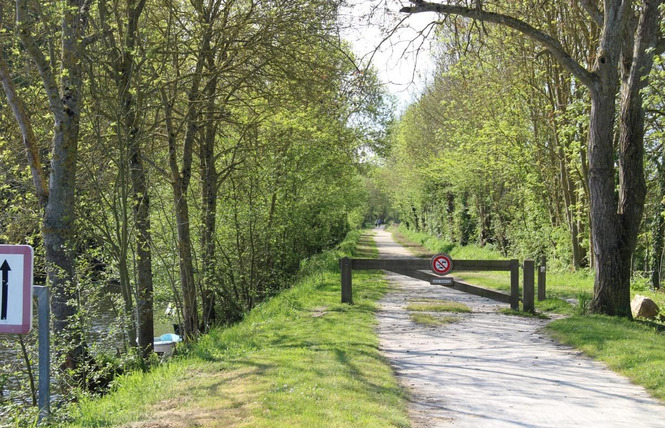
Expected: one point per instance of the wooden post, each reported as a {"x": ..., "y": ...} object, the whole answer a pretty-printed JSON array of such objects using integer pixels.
[
  {"x": 514, "y": 285},
  {"x": 527, "y": 292},
  {"x": 345, "y": 266},
  {"x": 542, "y": 279}
]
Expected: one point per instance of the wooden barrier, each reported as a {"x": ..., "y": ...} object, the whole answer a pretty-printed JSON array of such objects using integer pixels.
[
  {"x": 420, "y": 269},
  {"x": 542, "y": 279},
  {"x": 527, "y": 293}
]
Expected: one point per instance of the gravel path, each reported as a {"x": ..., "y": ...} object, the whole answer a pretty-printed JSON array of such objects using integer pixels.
[{"x": 493, "y": 370}]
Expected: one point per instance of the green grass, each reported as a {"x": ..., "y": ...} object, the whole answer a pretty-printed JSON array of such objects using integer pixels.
[
  {"x": 430, "y": 320},
  {"x": 556, "y": 306},
  {"x": 365, "y": 248},
  {"x": 431, "y": 305},
  {"x": 628, "y": 347},
  {"x": 300, "y": 359}
]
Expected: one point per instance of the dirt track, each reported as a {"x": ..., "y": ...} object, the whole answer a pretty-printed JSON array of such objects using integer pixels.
[{"x": 493, "y": 370}]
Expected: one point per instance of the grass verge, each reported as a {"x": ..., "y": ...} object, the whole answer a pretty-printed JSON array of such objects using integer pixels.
[
  {"x": 430, "y": 320},
  {"x": 628, "y": 347},
  {"x": 300, "y": 359}
]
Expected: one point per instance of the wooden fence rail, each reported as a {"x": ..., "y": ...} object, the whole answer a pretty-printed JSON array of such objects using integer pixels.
[{"x": 420, "y": 269}]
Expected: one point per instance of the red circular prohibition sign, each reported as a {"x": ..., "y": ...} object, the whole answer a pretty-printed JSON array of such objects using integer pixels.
[{"x": 441, "y": 264}]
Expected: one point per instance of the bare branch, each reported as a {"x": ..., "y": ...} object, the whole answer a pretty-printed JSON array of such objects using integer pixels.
[
  {"x": 29, "y": 137},
  {"x": 43, "y": 66},
  {"x": 387, "y": 37},
  {"x": 552, "y": 44},
  {"x": 593, "y": 11},
  {"x": 656, "y": 112}
]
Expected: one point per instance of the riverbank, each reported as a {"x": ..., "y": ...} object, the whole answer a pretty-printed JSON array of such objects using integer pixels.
[{"x": 300, "y": 359}]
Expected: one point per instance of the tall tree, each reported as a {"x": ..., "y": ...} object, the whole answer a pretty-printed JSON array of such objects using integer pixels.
[
  {"x": 63, "y": 90},
  {"x": 120, "y": 45},
  {"x": 630, "y": 35}
]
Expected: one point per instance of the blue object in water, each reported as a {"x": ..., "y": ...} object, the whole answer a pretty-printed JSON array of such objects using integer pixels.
[{"x": 168, "y": 337}]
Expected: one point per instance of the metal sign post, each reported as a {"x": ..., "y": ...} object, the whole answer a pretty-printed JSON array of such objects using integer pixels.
[{"x": 44, "y": 311}]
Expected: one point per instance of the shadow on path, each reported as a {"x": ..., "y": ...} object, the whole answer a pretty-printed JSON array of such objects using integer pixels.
[{"x": 494, "y": 370}]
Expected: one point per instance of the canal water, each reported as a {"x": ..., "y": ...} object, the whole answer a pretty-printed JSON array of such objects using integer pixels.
[{"x": 102, "y": 333}]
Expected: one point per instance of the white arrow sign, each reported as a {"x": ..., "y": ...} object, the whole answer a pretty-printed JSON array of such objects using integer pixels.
[{"x": 16, "y": 289}]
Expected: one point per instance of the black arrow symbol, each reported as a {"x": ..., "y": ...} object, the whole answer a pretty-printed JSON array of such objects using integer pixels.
[{"x": 5, "y": 286}]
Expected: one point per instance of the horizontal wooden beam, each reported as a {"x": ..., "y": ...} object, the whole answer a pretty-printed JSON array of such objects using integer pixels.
[
  {"x": 417, "y": 274},
  {"x": 480, "y": 291},
  {"x": 424, "y": 264},
  {"x": 459, "y": 285}
]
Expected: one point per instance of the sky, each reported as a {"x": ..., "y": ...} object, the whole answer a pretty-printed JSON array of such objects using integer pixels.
[{"x": 394, "y": 43}]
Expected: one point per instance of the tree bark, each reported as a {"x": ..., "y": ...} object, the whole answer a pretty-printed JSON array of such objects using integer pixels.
[
  {"x": 209, "y": 177},
  {"x": 125, "y": 70},
  {"x": 141, "y": 195},
  {"x": 658, "y": 228},
  {"x": 29, "y": 138},
  {"x": 58, "y": 227},
  {"x": 180, "y": 185}
]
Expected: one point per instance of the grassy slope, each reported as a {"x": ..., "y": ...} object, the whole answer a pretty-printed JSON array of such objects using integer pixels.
[
  {"x": 631, "y": 348},
  {"x": 300, "y": 359}
]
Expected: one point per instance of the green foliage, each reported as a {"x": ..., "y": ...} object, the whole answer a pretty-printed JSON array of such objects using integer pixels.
[
  {"x": 269, "y": 90},
  {"x": 493, "y": 153},
  {"x": 432, "y": 320},
  {"x": 583, "y": 302}
]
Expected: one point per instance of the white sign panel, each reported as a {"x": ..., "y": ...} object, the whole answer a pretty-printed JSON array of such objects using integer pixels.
[{"x": 15, "y": 289}]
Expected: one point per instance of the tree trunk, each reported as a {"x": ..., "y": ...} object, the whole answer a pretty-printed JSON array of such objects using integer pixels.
[
  {"x": 58, "y": 228},
  {"x": 190, "y": 307},
  {"x": 180, "y": 184},
  {"x": 466, "y": 225},
  {"x": 209, "y": 178},
  {"x": 572, "y": 216},
  {"x": 612, "y": 286},
  {"x": 658, "y": 228},
  {"x": 612, "y": 282},
  {"x": 144, "y": 285},
  {"x": 126, "y": 290},
  {"x": 125, "y": 69},
  {"x": 29, "y": 138},
  {"x": 140, "y": 193}
]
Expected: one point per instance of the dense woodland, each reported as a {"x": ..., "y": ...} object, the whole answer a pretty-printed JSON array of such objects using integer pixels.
[
  {"x": 541, "y": 134},
  {"x": 195, "y": 152},
  {"x": 182, "y": 152}
]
